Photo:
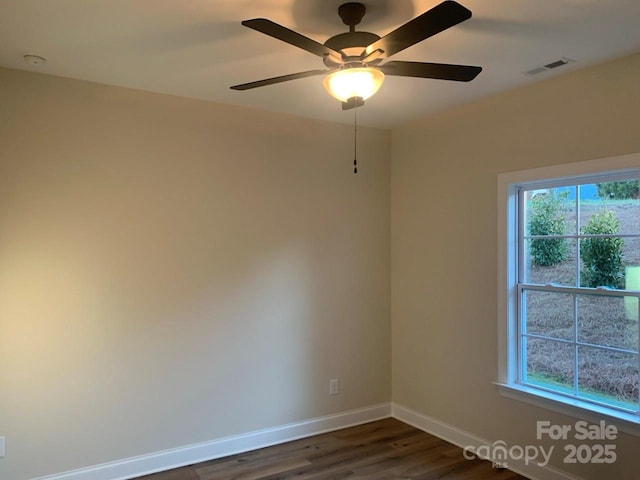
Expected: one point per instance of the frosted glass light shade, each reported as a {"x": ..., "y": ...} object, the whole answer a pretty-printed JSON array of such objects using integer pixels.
[{"x": 347, "y": 83}]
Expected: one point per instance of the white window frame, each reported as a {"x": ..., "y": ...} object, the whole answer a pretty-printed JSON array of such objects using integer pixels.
[{"x": 508, "y": 361}]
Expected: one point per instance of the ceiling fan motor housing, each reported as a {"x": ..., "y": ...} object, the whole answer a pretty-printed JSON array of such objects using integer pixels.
[{"x": 352, "y": 44}]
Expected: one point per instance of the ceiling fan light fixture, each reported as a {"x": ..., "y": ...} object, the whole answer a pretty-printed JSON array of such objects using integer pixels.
[{"x": 347, "y": 83}]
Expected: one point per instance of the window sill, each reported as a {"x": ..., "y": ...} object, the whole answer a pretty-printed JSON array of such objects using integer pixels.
[{"x": 625, "y": 422}]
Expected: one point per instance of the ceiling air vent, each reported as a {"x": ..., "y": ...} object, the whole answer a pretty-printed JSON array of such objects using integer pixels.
[{"x": 549, "y": 66}]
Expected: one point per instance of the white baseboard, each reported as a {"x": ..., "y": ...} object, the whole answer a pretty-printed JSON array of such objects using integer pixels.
[
  {"x": 222, "y": 447},
  {"x": 177, "y": 457},
  {"x": 463, "y": 439}
]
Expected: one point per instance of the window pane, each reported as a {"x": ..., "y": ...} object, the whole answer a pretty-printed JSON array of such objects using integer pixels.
[
  {"x": 610, "y": 208},
  {"x": 549, "y": 364},
  {"x": 549, "y": 314},
  {"x": 608, "y": 321},
  {"x": 632, "y": 282},
  {"x": 631, "y": 258},
  {"x": 609, "y": 377},
  {"x": 550, "y": 211},
  {"x": 602, "y": 262},
  {"x": 550, "y": 260},
  {"x": 619, "y": 198},
  {"x": 628, "y": 213}
]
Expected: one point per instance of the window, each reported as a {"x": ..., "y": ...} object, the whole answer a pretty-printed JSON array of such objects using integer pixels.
[{"x": 569, "y": 287}]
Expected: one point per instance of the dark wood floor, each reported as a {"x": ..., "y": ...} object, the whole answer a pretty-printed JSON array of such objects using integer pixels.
[{"x": 383, "y": 450}]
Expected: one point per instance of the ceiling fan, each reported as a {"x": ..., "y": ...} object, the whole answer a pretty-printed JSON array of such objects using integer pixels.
[{"x": 354, "y": 58}]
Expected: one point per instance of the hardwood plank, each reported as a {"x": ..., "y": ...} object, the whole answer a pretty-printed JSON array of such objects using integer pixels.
[
  {"x": 384, "y": 450},
  {"x": 255, "y": 470},
  {"x": 276, "y": 454},
  {"x": 184, "y": 473}
]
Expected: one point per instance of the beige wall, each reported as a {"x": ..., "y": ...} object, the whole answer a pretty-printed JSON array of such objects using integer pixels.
[
  {"x": 444, "y": 182},
  {"x": 213, "y": 267},
  {"x": 175, "y": 271}
]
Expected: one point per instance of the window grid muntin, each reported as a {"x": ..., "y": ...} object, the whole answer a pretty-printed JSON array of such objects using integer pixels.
[
  {"x": 577, "y": 266},
  {"x": 584, "y": 235},
  {"x": 576, "y": 372},
  {"x": 580, "y": 344},
  {"x": 520, "y": 225}
]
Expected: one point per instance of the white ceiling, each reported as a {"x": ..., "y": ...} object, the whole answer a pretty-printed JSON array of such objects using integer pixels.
[{"x": 198, "y": 48}]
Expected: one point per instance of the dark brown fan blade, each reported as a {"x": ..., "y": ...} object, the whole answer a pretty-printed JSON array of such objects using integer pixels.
[
  {"x": 442, "y": 71},
  {"x": 433, "y": 21},
  {"x": 283, "y": 78},
  {"x": 292, "y": 38}
]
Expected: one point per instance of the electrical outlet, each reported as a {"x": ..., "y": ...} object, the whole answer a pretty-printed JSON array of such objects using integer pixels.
[
  {"x": 1, "y": 447},
  {"x": 334, "y": 386}
]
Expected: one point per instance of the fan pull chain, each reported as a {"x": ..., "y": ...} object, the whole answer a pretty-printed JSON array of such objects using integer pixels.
[{"x": 355, "y": 140}]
